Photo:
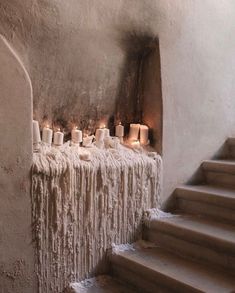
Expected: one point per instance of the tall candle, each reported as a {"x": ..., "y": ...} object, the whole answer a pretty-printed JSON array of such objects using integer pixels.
[
  {"x": 36, "y": 132},
  {"x": 99, "y": 134},
  {"x": 119, "y": 130},
  {"x": 134, "y": 131},
  {"x": 106, "y": 132},
  {"x": 58, "y": 138},
  {"x": 47, "y": 135},
  {"x": 76, "y": 135},
  {"x": 144, "y": 134}
]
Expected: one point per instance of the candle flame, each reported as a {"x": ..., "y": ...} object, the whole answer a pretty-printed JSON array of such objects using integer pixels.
[{"x": 135, "y": 142}]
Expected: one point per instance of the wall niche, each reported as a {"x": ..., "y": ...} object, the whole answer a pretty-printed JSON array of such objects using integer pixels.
[{"x": 140, "y": 95}]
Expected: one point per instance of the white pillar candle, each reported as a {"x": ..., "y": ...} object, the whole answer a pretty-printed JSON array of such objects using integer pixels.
[
  {"x": 144, "y": 134},
  {"x": 99, "y": 134},
  {"x": 119, "y": 130},
  {"x": 76, "y": 135},
  {"x": 58, "y": 138},
  {"x": 106, "y": 132},
  {"x": 36, "y": 132},
  {"x": 134, "y": 131},
  {"x": 47, "y": 135}
]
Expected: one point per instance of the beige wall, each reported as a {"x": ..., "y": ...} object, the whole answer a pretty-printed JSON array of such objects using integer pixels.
[
  {"x": 74, "y": 53},
  {"x": 16, "y": 249}
]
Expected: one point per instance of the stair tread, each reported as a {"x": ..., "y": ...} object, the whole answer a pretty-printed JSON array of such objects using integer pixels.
[
  {"x": 100, "y": 284},
  {"x": 207, "y": 192},
  {"x": 222, "y": 165},
  {"x": 192, "y": 274},
  {"x": 199, "y": 227}
]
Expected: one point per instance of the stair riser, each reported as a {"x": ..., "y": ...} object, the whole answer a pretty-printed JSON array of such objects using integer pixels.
[
  {"x": 191, "y": 250},
  {"x": 146, "y": 280},
  {"x": 220, "y": 179},
  {"x": 202, "y": 208}
]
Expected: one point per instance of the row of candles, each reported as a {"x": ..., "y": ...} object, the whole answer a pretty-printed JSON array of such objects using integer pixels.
[{"x": 138, "y": 135}]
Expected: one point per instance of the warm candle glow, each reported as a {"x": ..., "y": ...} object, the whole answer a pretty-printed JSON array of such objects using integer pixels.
[{"x": 135, "y": 143}]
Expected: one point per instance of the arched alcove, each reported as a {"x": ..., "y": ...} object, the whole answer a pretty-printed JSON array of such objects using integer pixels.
[
  {"x": 140, "y": 93},
  {"x": 16, "y": 257}
]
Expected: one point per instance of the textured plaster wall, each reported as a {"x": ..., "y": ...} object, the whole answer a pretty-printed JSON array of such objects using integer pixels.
[
  {"x": 16, "y": 251},
  {"x": 75, "y": 53}
]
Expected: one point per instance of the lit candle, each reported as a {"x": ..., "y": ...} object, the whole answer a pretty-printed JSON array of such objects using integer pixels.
[
  {"x": 47, "y": 135},
  {"x": 105, "y": 130},
  {"x": 99, "y": 134},
  {"x": 58, "y": 138},
  {"x": 36, "y": 132},
  {"x": 144, "y": 134},
  {"x": 134, "y": 131},
  {"x": 119, "y": 130},
  {"x": 76, "y": 135}
]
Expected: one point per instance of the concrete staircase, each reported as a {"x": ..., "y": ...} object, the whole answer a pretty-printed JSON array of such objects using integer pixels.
[{"x": 195, "y": 248}]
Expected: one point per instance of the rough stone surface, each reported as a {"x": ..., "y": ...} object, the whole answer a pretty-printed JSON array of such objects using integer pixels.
[
  {"x": 75, "y": 52},
  {"x": 16, "y": 252}
]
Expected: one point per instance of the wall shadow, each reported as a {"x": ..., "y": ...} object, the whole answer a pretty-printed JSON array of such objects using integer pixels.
[{"x": 139, "y": 98}]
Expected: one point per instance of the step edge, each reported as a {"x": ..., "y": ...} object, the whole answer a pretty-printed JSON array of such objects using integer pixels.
[
  {"x": 165, "y": 275},
  {"x": 189, "y": 193},
  {"x": 218, "y": 166},
  {"x": 174, "y": 229}
]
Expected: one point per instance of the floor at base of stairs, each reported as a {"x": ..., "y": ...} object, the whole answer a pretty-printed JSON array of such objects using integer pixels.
[{"x": 100, "y": 284}]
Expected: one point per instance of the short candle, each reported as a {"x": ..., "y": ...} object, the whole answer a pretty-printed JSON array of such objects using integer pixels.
[
  {"x": 76, "y": 135},
  {"x": 58, "y": 138},
  {"x": 106, "y": 131},
  {"x": 99, "y": 134},
  {"x": 119, "y": 130},
  {"x": 144, "y": 134},
  {"x": 36, "y": 132},
  {"x": 47, "y": 135},
  {"x": 134, "y": 131}
]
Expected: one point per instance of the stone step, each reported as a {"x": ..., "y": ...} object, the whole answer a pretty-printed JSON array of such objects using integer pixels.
[
  {"x": 157, "y": 270},
  {"x": 196, "y": 237},
  {"x": 214, "y": 201},
  {"x": 219, "y": 172},
  {"x": 100, "y": 284}
]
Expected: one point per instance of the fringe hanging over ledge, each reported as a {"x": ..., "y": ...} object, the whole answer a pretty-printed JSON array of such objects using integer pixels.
[{"x": 80, "y": 208}]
